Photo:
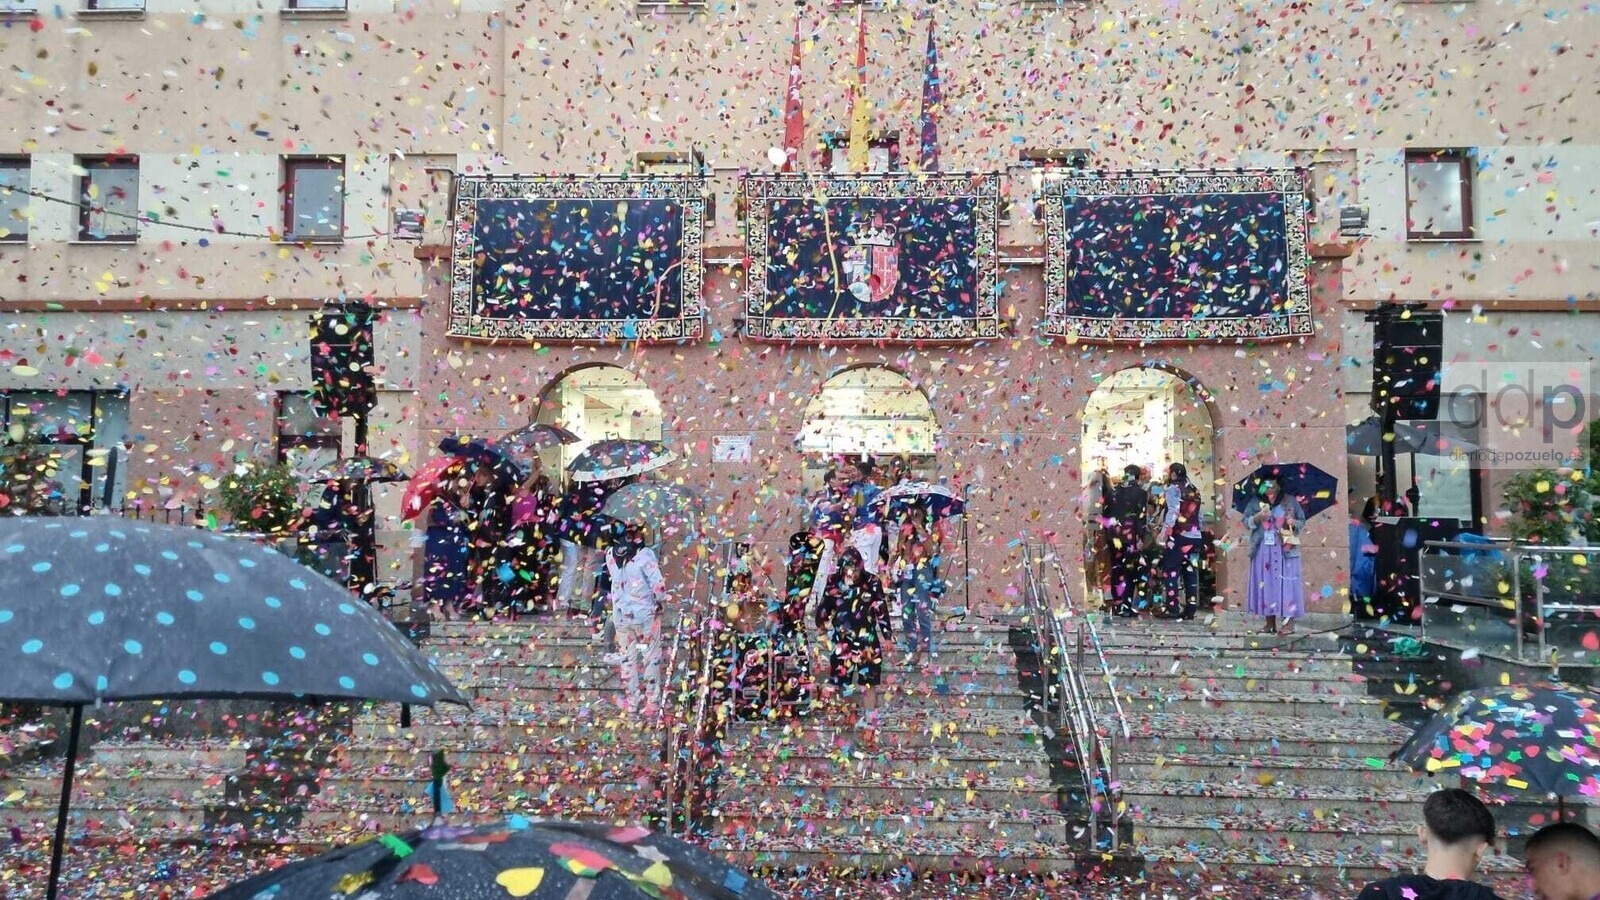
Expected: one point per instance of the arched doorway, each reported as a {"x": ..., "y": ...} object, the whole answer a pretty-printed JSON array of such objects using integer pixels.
[
  {"x": 598, "y": 402},
  {"x": 1151, "y": 417},
  {"x": 871, "y": 412}
]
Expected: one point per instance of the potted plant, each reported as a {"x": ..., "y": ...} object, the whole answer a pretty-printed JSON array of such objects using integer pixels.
[{"x": 262, "y": 499}]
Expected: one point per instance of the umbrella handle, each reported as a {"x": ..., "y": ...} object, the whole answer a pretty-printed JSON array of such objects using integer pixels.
[{"x": 66, "y": 801}]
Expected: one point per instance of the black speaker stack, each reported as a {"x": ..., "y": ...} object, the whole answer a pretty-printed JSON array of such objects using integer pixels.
[
  {"x": 1407, "y": 346},
  {"x": 342, "y": 383}
]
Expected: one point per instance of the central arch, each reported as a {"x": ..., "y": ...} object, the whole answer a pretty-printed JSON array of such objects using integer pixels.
[
  {"x": 597, "y": 402},
  {"x": 873, "y": 412}
]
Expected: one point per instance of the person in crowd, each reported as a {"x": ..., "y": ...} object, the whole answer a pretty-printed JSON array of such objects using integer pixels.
[
  {"x": 800, "y": 578},
  {"x": 1181, "y": 544},
  {"x": 489, "y": 519},
  {"x": 855, "y": 615},
  {"x": 1457, "y": 830},
  {"x": 446, "y": 550},
  {"x": 580, "y": 555},
  {"x": 327, "y": 533},
  {"x": 1096, "y": 550},
  {"x": 1563, "y": 862},
  {"x": 521, "y": 565},
  {"x": 1364, "y": 558},
  {"x": 915, "y": 576},
  {"x": 1275, "y": 590},
  {"x": 637, "y": 592},
  {"x": 897, "y": 473},
  {"x": 1125, "y": 533},
  {"x": 832, "y": 521},
  {"x": 866, "y": 531}
]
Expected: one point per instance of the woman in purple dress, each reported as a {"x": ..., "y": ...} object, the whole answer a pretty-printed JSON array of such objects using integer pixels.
[{"x": 1276, "y": 589}]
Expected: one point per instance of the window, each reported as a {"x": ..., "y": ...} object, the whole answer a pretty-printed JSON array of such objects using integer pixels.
[
  {"x": 114, "y": 5},
  {"x": 306, "y": 441},
  {"x": 313, "y": 198},
  {"x": 108, "y": 198},
  {"x": 83, "y": 437},
  {"x": 1041, "y": 163},
  {"x": 671, "y": 5},
  {"x": 15, "y": 180},
  {"x": 883, "y": 153},
  {"x": 677, "y": 162},
  {"x": 315, "y": 5},
  {"x": 1439, "y": 195}
]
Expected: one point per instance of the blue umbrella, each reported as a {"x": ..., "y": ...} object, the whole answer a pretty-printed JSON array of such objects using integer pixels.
[
  {"x": 619, "y": 458},
  {"x": 1315, "y": 489},
  {"x": 106, "y": 609}
]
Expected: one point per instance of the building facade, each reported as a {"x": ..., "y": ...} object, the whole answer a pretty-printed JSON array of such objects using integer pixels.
[{"x": 184, "y": 183}]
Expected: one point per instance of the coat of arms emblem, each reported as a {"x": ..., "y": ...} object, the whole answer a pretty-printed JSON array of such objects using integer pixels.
[{"x": 872, "y": 261}]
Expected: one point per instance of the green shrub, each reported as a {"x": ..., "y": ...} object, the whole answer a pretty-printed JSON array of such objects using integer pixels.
[{"x": 261, "y": 498}]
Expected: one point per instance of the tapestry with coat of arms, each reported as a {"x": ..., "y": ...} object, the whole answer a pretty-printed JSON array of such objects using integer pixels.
[
  {"x": 879, "y": 258},
  {"x": 578, "y": 258},
  {"x": 1178, "y": 257}
]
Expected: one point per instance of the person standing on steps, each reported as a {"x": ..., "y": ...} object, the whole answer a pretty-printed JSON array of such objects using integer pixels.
[
  {"x": 855, "y": 615},
  {"x": 637, "y": 592},
  {"x": 1276, "y": 589},
  {"x": 1181, "y": 542},
  {"x": 1458, "y": 830},
  {"x": 1125, "y": 531},
  {"x": 1563, "y": 861}
]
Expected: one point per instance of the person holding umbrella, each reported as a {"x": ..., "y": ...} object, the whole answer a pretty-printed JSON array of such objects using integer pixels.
[
  {"x": 637, "y": 592},
  {"x": 579, "y": 551},
  {"x": 447, "y": 548},
  {"x": 1275, "y": 589},
  {"x": 856, "y": 614}
]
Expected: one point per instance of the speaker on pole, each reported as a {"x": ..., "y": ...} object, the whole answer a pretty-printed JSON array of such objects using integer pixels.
[
  {"x": 1407, "y": 351},
  {"x": 341, "y": 361}
]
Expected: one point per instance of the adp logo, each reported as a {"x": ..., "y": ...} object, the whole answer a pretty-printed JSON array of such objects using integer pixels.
[{"x": 1527, "y": 415}]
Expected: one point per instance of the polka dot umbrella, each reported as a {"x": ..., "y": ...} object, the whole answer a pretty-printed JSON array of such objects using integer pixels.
[
  {"x": 529, "y": 858},
  {"x": 107, "y": 609},
  {"x": 1537, "y": 739}
]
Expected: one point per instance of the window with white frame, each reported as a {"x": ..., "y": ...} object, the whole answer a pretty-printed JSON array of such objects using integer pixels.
[
  {"x": 313, "y": 198},
  {"x": 108, "y": 198},
  {"x": 15, "y": 182},
  {"x": 306, "y": 440},
  {"x": 883, "y": 153},
  {"x": 1439, "y": 190}
]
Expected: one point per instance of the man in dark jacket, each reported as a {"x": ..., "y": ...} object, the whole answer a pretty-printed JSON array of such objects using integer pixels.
[
  {"x": 1125, "y": 527},
  {"x": 1458, "y": 830}
]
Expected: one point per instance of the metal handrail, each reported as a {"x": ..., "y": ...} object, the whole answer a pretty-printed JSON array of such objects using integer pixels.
[
  {"x": 695, "y": 639},
  {"x": 1097, "y": 754},
  {"x": 1086, "y": 626},
  {"x": 679, "y": 664},
  {"x": 1514, "y": 555}
]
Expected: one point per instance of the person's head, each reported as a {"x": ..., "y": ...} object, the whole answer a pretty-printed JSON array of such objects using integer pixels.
[
  {"x": 1564, "y": 862},
  {"x": 899, "y": 469},
  {"x": 839, "y": 477},
  {"x": 1369, "y": 512},
  {"x": 1271, "y": 490},
  {"x": 1131, "y": 472},
  {"x": 863, "y": 470},
  {"x": 1454, "y": 821},
  {"x": 851, "y": 565},
  {"x": 1177, "y": 473}
]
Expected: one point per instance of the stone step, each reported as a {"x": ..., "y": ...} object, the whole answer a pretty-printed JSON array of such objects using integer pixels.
[
  {"x": 1136, "y": 660},
  {"x": 1229, "y": 679},
  {"x": 1373, "y": 772},
  {"x": 823, "y": 766},
  {"x": 971, "y": 729},
  {"x": 587, "y": 730},
  {"x": 524, "y": 756},
  {"x": 1276, "y": 801},
  {"x": 1320, "y": 867},
  {"x": 1389, "y": 838},
  {"x": 1223, "y": 733},
  {"x": 825, "y": 853},
  {"x": 908, "y": 789},
  {"x": 167, "y": 754},
  {"x": 735, "y": 817},
  {"x": 1202, "y": 702}
]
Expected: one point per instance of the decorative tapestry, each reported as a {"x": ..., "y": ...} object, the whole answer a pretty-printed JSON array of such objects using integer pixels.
[
  {"x": 882, "y": 258},
  {"x": 1178, "y": 257},
  {"x": 578, "y": 258}
]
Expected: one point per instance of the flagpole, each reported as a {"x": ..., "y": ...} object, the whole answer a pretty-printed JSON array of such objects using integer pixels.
[
  {"x": 858, "y": 97},
  {"x": 794, "y": 126}
]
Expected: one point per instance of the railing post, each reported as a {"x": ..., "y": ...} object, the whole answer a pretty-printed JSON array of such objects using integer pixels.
[
  {"x": 1516, "y": 594},
  {"x": 1538, "y": 605}
]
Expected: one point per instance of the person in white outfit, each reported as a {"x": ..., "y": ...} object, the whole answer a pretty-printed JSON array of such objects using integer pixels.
[{"x": 637, "y": 590}]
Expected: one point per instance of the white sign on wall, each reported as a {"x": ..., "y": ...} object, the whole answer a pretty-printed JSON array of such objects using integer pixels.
[{"x": 731, "y": 448}]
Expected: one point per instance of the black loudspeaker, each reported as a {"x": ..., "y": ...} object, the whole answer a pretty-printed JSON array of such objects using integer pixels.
[
  {"x": 1407, "y": 355},
  {"x": 1400, "y": 543},
  {"x": 341, "y": 362}
]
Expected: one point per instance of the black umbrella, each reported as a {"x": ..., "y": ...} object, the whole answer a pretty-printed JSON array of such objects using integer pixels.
[
  {"x": 107, "y": 609},
  {"x": 619, "y": 458},
  {"x": 524, "y": 445},
  {"x": 495, "y": 459},
  {"x": 528, "y": 858},
  {"x": 360, "y": 469},
  {"x": 1314, "y": 488}
]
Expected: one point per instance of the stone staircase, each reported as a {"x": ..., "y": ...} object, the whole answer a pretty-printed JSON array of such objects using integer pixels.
[
  {"x": 1251, "y": 753},
  {"x": 959, "y": 776}
]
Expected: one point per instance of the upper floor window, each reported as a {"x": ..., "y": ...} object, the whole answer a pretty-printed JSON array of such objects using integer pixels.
[
  {"x": 15, "y": 182},
  {"x": 315, "y": 5},
  {"x": 1041, "y": 164},
  {"x": 883, "y": 153},
  {"x": 678, "y": 162},
  {"x": 108, "y": 198},
  {"x": 1439, "y": 195},
  {"x": 306, "y": 440},
  {"x": 313, "y": 198}
]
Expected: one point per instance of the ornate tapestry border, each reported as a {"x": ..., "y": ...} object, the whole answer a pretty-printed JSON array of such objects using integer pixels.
[
  {"x": 1295, "y": 322},
  {"x": 755, "y": 190},
  {"x": 689, "y": 326}
]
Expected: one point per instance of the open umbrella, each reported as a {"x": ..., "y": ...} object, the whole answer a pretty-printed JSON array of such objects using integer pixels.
[
  {"x": 619, "y": 458},
  {"x": 360, "y": 469},
  {"x": 529, "y": 858},
  {"x": 1537, "y": 739},
  {"x": 423, "y": 487},
  {"x": 106, "y": 609},
  {"x": 527, "y": 442},
  {"x": 1315, "y": 489},
  {"x": 669, "y": 506},
  {"x": 937, "y": 501}
]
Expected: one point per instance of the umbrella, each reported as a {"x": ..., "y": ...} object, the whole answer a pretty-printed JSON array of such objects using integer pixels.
[
  {"x": 529, "y": 858},
  {"x": 1538, "y": 739},
  {"x": 423, "y": 488},
  {"x": 480, "y": 453},
  {"x": 536, "y": 437},
  {"x": 1314, "y": 488},
  {"x": 107, "y": 609},
  {"x": 619, "y": 458},
  {"x": 1367, "y": 437},
  {"x": 360, "y": 469},
  {"x": 936, "y": 501},
  {"x": 652, "y": 503}
]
